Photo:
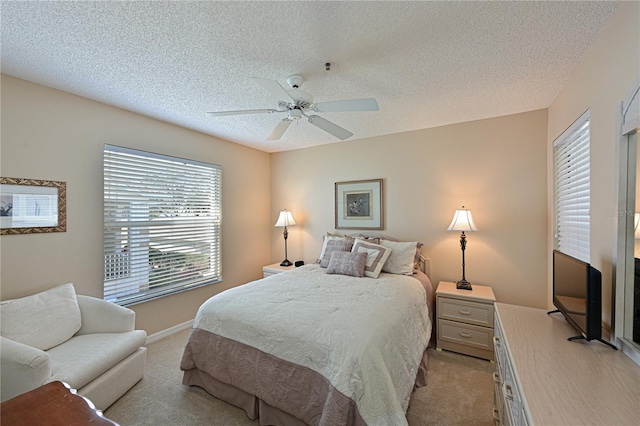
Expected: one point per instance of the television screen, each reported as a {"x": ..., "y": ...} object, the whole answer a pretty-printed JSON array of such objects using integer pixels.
[{"x": 577, "y": 293}]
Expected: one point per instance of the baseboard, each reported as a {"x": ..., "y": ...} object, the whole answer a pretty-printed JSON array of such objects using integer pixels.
[{"x": 169, "y": 331}]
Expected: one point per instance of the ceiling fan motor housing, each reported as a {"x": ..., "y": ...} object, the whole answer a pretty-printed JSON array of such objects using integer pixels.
[{"x": 302, "y": 99}]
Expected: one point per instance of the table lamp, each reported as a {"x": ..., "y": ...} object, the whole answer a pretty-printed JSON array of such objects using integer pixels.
[
  {"x": 285, "y": 219},
  {"x": 463, "y": 221}
]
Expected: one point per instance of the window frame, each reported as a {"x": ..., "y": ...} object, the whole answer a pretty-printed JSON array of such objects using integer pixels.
[
  {"x": 572, "y": 187},
  {"x": 162, "y": 225}
]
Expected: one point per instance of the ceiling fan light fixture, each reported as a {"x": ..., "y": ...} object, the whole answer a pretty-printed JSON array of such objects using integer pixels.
[{"x": 295, "y": 114}]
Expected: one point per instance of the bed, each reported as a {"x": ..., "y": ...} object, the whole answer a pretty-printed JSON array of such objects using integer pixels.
[{"x": 313, "y": 346}]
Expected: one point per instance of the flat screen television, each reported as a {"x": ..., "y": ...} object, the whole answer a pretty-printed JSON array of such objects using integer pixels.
[{"x": 577, "y": 294}]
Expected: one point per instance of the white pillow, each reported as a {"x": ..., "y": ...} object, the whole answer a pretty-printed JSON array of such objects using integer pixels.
[
  {"x": 401, "y": 260},
  {"x": 376, "y": 256},
  {"x": 43, "y": 320}
]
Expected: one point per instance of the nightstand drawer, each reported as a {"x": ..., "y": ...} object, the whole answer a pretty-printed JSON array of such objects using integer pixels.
[
  {"x": 465, "y": 334},
  {"x": 466, "y": 311}
]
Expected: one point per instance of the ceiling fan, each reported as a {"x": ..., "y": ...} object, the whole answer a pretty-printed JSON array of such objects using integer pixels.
[{"x": 297, "y": 103}]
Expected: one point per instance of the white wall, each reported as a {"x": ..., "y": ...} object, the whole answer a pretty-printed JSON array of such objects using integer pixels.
[
  {"x": 600, "y": 82},
  {"x": 495, "y": 167},
  {"x": 48, "y": 134}
]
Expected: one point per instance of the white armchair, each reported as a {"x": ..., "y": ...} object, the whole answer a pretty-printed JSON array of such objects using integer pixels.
[{"x": 88, "y": 343}]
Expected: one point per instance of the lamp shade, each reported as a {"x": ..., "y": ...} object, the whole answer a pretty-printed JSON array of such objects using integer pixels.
[
  {"x": 285, "y": 219},
  {"x": 462, "y": 221},
  {"x": 636, "y": 228}
]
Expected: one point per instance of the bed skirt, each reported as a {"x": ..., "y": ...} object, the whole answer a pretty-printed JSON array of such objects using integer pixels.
[{"x": 282, "y": 394}]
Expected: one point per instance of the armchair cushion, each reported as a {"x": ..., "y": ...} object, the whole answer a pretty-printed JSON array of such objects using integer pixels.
[
  {"x": 83, "y": 358},
  {"x": 43, "y": 320}
]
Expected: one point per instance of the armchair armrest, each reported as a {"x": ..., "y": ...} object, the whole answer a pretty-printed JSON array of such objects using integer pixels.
[
  {"x": 100, "y": 316},
  {"x": 23, "y": 368}
]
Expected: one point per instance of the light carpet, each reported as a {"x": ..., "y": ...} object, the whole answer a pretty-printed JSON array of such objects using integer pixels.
[{"x": 459, "y": 391}]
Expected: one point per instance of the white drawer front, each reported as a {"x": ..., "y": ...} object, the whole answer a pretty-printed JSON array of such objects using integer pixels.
[
  {"x": 466, "y": 334},
  {"x": 466, "y": 311},
  {"x": 509, "y": 401}
]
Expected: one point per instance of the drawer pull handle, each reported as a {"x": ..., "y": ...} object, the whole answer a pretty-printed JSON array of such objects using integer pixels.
[
  {"x": 496, "y": 341},
  {"x": 496, "y": 378},
  {"x": 496, "y": 415},
  {"x": 506, "y": 391},
  {"x": 464, "y": 312},
  {"x": 463, "y": 334}
]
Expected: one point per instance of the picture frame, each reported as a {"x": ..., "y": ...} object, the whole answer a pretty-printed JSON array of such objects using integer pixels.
[
  {"x": 31, "y": 206},
  {"x": 359, "y": 204}
]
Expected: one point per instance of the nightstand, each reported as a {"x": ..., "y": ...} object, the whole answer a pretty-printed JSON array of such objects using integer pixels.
[
  {"x": 275, "y": 268},
  {"x": 465, "y": 319}
]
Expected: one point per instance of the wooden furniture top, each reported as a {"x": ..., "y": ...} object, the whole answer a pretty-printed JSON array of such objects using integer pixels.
[
  {"x": 481, "y": 292},
  {"x": 568, "y": 382},
  {"x": 53, "y": 404}
]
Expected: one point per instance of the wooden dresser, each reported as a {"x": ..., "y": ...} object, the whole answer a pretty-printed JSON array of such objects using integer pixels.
[
  {"x": 543, "y": 379},
  {"x": 53, "y": 404}
]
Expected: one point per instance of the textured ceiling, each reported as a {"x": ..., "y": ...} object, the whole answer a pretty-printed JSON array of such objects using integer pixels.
[{"x": 427, "y": 63}]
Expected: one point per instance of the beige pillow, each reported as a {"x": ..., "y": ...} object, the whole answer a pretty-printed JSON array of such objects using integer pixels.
[
  {"x": 43, "y": 320},
  {"x": 402, "y": 258},
  {"x": 376, "y": 256}
]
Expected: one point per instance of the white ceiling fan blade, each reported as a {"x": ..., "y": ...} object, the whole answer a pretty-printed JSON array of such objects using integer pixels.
[
  {"x": 366, "y": 104},
  {"x": 246, "y": 111},
  {"x": 276, "y": 90},
  {"x": 279, "y": 130},
  {"x": 330, "y": 127}
]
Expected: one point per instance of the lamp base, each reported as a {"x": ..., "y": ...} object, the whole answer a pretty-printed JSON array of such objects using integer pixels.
[
  {"x": 463, "y": 285},
  {"x": 286, "y": 262}
]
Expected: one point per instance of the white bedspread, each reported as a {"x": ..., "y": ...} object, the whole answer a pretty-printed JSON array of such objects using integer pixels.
[{"x": 366, "y": 336}]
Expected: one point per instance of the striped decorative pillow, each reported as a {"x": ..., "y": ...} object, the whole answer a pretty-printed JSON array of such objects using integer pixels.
[{"x": 376, "y": 256}]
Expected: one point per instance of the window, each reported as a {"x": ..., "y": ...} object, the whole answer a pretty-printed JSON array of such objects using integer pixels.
[
  {"x": 572, "y": 189},
  {"x": 162, "y": 222}
]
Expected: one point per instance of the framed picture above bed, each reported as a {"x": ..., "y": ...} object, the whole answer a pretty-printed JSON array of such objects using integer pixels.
[{"x": 359, "y": 204}]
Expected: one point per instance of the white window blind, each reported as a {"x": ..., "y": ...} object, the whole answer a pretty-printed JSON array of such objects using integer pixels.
[
  {"x": 162, "y": 225},
  {"x": 572, "y": 190}
]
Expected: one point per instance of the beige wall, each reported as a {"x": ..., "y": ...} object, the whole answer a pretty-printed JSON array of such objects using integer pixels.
[
  {"x": 48, "y": 134},
  {"x": 500, "y": 168},
  {"x": 495, "y": 167},
  {"x": 601, "y": 81}
]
